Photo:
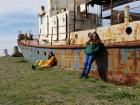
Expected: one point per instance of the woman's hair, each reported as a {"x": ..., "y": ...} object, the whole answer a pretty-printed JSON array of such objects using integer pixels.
[
  {"x": 50, "y": 54},
  {"x": 97, "y": 39}
]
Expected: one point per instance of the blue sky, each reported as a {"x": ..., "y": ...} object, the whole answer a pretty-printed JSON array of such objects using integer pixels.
[{"x": 16, "y": 15}]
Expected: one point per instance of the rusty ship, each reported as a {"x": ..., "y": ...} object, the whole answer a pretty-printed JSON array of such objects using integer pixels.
[{"x": 64, "y": 29}]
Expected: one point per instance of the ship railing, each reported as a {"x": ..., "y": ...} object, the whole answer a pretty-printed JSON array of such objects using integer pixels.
[
  {"x": 133, "y": 14},
  {"x": 69, "y": 28},
  {"x": 127, "y": 14},
  {"x": 36, "y": 38},
  {"x": 33, "y": 40}
]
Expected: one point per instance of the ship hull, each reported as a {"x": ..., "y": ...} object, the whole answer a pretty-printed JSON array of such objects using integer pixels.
[{"x": 117, "y": 63}]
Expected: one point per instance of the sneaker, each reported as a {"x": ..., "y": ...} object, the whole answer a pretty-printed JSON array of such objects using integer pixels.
[
  {"x": 81, "y": 76},
  {"x": 86, "y": 76},
  {"x": 33, "y": 67}
]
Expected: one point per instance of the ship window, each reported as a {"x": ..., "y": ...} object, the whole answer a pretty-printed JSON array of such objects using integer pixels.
[
  {"x": 45, "y": 53},
  {"x": 37, "y": 52},
  {"x": 128, "y": 30}
]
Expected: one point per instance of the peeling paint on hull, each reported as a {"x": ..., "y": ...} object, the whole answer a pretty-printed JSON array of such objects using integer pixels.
[{"x": 119, "y": 65}]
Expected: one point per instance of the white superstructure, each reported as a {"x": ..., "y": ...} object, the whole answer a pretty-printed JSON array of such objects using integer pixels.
[{"x": 61, "y": 18}]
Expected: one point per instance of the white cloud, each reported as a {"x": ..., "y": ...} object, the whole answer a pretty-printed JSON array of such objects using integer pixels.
[
  {"x": 22, "y": 13},
  {"x": 21, "y": 6},
  {"x": 18, "y": 15}
]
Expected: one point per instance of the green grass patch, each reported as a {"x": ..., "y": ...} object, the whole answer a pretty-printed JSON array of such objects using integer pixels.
[
  {"x": 20, "y": 85},
  {"x": 123, "y": 94}
]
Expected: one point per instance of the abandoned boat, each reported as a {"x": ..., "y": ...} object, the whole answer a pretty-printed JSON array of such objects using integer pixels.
[{"x": 64, "y": 29}]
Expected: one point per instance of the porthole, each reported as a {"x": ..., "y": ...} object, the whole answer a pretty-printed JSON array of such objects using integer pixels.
[
  {"x": 89, "y": 34},
  {"x": 128, "y": 30},
  {"x": 76, "y": 36}
]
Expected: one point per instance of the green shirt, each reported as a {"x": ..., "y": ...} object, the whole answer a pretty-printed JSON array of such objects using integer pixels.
[{"x": 91, "y": 48}]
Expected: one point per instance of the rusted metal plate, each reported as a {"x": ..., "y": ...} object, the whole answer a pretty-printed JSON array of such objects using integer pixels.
[
  {"x": 112, "y": 64},
  {"x": 111, "y": 34}
]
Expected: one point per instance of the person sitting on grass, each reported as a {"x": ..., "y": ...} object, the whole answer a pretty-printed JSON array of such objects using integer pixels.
[{"x": 45, "y": 63}]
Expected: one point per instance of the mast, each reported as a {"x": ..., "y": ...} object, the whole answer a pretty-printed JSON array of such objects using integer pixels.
[
  {"x": 101, "y": 13},
  {"x": 74, "y": 17},
  {"x": 111, "y": 7}
]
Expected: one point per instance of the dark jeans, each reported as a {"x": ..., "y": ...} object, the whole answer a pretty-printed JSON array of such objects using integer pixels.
[{"x": 87, "y": 64}]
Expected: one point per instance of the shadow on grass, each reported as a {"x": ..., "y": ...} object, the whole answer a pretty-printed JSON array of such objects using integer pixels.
[{"x": 22, "y": 60}]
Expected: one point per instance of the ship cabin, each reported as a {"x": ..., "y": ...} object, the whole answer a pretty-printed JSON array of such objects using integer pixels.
[{"x": 68, "y": 22}]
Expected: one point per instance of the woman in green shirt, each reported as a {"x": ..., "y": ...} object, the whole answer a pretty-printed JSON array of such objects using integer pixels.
[{"x": 91, "y": 52}]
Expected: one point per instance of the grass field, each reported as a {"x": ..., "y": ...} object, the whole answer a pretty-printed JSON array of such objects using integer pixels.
[{"x": 20, "y": 85}]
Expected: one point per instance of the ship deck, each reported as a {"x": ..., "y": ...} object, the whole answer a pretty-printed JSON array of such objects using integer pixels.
[{"x": 125, "y": 44}]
